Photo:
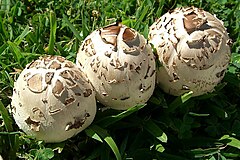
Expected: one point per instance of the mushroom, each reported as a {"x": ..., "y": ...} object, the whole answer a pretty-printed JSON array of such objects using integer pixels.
[
  {"x": 120, "y": 65},
  {"x": 193, "y": 47},
  {"x": 53, "y": 100}
]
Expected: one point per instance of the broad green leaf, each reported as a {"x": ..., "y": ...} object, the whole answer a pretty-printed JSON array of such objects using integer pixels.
[
  {"x": 42, "y": 154},
  {"x": 108, "y": 139},
  {"x": 152, "y": 128},
  {"x": 231, "y": 141},
  {"x": 231, "y": 155},
  {"x": 221, "y": 157},
  {"x": 235, "y": 59},
  {"x": 212, "y": 158},
  {"x": 159, "y": 148}
]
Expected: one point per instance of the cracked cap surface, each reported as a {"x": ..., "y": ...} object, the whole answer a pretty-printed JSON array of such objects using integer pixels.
[
  {"x": 120, "y": 64},
  {"x": 193, "y": 48},
  {"x": 50, "y": 95}
]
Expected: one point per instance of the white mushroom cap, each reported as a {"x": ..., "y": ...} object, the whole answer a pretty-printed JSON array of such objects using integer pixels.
[
  {"x": 53, "y": 100},
  {"x": 193, "y": 48},
  {"x": 120, "y": 65}
]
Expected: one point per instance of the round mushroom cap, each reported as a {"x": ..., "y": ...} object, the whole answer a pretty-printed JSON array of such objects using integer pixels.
[
  {"x": 120, "y": 65},
  {"x": 53, "y": 100},
  {"x": 193, "y": 47}
]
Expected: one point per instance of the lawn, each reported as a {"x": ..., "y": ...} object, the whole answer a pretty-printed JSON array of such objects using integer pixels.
[{"x": 206, "y": 127}]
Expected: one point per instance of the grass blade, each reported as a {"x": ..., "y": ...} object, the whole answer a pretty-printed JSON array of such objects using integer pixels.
[
  {"x": 90, "y": 133},
  {"x": 152, "y": 128},
  {"x": 53, "y": 29},
  {"x": 17, "y": 54},
  {"x": 106, "y": 121},
  {"x": 5, "y": 5},
  {"x": 108, "y": 139},
  {"x": 9, "y": 133},
  {"x": 72, "y": 28},
  {"x": 198, "y": 114},
  {"x": 3, "y": 47},
  {"x": 200, "y": 153},
  {"x": 3, "y": 31},
  {"x": 141, "y": 15},
  {"x": 6, "y": 118},
  {"x": 179, "y": 101},
  {"x": 19, "y": 39}
]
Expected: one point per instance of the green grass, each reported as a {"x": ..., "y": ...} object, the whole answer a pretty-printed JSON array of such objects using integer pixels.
[{"x": 167, "y": 128}]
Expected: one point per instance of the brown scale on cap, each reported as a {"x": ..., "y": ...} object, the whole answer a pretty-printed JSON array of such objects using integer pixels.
[
  {"x": 55, "y": 65},
  {"x": 34, "y": 125},
  {"x": 78, "y": 122},
  {"x": 65, "y": 74},
  {"x": 35, "y": 83},
  {"x": 87, "y": 92},
  {"x": 53, "y": 111},
  {"x": 33, "y": 64},
  {"x": 88, "y": 48},
  {"x": 69, "y": 64},
  {"x": 69, "y": 101},
  {"x": 36, "y": 111},
  {"x": 61, "y": 59},
  {"x": 48, "y": 77},
  {"x": 109, "y": 34},
  {"x": 128, "y": 35},
  {"x": 194, "y": 21},
  {"x": 58, "y": 88}
]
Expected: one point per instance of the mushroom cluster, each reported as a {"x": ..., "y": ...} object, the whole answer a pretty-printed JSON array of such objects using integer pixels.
[
  {"x": 53, "y": 100},
  {"x": 120, "y": 65},
  {"x": 193, "y": 47}
]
